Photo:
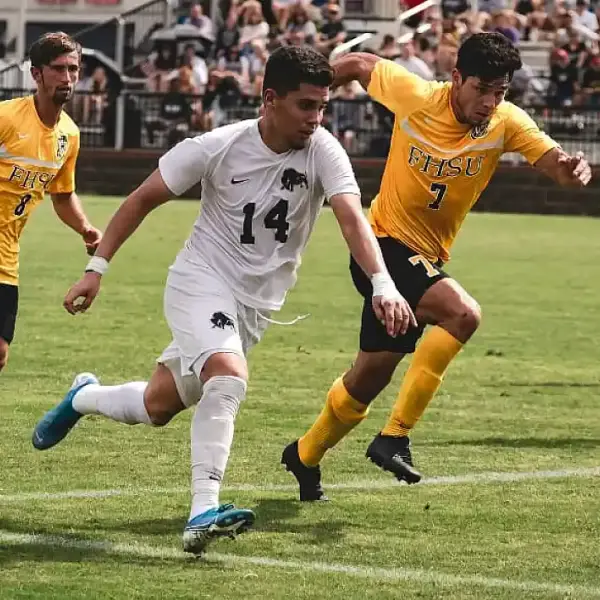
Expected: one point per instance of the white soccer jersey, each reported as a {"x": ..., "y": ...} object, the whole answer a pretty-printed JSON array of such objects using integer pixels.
[{"x": 258, "y": 207}]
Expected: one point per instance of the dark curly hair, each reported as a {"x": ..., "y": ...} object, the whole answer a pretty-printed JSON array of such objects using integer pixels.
[
  {"x": 50, "y": 46},
  {"x": 290, "y": 66},
  {"x": 488, "y": 56}
]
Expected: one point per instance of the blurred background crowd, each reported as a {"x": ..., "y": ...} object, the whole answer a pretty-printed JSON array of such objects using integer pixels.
[{"x": 202, "y": 70}]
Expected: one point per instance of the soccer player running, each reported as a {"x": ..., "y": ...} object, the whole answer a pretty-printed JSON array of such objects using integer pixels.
[
  {"x": 446, "y": 144},
  {"x": 263, "y": 185},
  {"x": 39, "y": 144}
]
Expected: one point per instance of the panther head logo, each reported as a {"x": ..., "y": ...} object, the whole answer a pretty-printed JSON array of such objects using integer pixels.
[
  {"x": 479, "y": 131},
  {"x": 221, "y": 320},
  {"x": 291, "y": 178}
]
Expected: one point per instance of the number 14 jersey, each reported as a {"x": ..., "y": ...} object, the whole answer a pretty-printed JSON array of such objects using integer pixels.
[{"x": 258, "y": 207}]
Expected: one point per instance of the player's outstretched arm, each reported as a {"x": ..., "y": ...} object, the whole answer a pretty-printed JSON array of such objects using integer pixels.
[
  {"x": 566, "y": 170},
  {"x": 354, "y": 66},
  {"x": 524, "y": 136},
  {"x": 389, "y": 306},
  {"x": 69, "y": 210},
  {"x": 151, "y": 193}
]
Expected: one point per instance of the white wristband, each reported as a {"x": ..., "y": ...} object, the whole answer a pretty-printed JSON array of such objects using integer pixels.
[
  {"x": 383, "y": 285},
  {"x": 98, "y": 265}
]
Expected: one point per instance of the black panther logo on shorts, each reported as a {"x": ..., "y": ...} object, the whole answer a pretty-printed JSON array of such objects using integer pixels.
[
  {"x": 221, "y": 320},
  {"x": 291, "y": 177}
]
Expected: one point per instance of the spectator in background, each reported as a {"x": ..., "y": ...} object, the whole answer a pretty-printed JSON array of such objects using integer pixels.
[
  {"x": 451, "y": 26},
  {"x": 230, "y": 65},
  {"x": 434, "y": 34},
  {"x": 253, "y": 69},
  {"x": 471, "y": 25},
  {"x": 411, "y": 62},
  {"x": 198, "y": 19},
  {"x": 523, "y": 85},
  {"x": 576, "y": 49},
  {"x": 160, "y": 65},
  {"x": 427, "y": 50},
  {"x": 563, "y": 20},
  {"x": 389, "y": 47},
  {"x": 174, "y": 116},
  {"x": 332, "y": 31},
  {"x": 254, "y": 26},
  {"x": 590, "y": 84},
  {"x": 539, "y": 27},
  {"x": 504, "y": 22},
  {"x": 345, "y": 115},
  {"x": 563, "y": 79},
  {"x": 298, "y": 21},
  {"x": 446, "y": 57},
  {"x": 95, "y": 99},
  {"x": 198, "y": 67},
  {"x": 228, "y": 34},
  {"x": 282, "y": 10},
  {"x": 583, "y": 16},
  {"x": 296, "y": 38}
]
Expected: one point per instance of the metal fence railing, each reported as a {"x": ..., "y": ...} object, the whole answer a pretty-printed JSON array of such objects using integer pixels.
[{"x": 134, "y": 119}]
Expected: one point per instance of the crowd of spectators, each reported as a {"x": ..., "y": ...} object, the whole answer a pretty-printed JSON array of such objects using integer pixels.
[{"x": 215, "y": 74}]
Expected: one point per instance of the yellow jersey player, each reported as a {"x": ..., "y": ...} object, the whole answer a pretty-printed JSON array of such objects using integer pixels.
[
  {"x": 39, "y": 144},
  {"x": 445, "y": 147}
]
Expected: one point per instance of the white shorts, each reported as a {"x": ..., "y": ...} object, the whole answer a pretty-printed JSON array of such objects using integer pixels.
[{"x": 205, "y": 319}]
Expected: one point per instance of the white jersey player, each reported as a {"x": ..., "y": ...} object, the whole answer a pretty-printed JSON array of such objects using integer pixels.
[{"x": 263, "y": 184}]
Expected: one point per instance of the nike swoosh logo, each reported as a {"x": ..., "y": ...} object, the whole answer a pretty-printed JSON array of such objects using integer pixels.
[
  {"x": 22, "y": 136},
  {"x": 236, "y": 181}
]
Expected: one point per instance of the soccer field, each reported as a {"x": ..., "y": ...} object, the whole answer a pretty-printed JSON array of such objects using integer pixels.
[{"x": 510, "y": 447}]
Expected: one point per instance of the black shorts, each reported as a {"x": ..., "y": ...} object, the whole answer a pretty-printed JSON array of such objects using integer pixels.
[
  {"x": 413, "y": 276},
  {"x": 9, "y": 304}
]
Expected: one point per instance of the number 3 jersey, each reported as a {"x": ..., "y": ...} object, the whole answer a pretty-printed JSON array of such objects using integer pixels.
[
  {"x": 258, "y": 207},
  {"x": 34, "y": 159},
  {"x": 438, "y": 167}
]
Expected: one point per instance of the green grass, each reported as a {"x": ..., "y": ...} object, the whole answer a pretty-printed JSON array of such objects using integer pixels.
[{"x": 521, "y": 397}]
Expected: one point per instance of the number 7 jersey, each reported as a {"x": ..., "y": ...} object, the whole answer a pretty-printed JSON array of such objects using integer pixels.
[
  {"x": 34, "y": 159},
  {"x": 258, "y": 207},
  {"x": 437, "y": 167}
]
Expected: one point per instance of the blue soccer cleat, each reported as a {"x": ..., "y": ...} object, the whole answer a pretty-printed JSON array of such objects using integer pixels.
[
  {"x": 56, "y": 423},
  {"x": 226, "y": 520}
]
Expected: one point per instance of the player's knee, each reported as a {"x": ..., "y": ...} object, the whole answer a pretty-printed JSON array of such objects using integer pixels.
[
  {"x": 470, "y": 317},
  {"x": 159, "y": 416},
  {"x": 224, "y": 364}
]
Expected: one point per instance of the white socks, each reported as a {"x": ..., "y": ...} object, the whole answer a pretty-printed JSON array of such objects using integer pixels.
[
  {"x": 211, "y": 437},
  {"x": 123, "y": 403}
]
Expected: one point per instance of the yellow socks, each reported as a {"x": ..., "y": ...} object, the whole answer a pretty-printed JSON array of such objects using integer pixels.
[
  {"x": 422, "y": 380},
  {"x": 339, "y": 416}
]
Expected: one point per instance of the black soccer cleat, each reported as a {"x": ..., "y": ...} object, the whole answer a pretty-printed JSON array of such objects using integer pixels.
[
  {"x": 393, "y": 454},
  {"x": 309, "y": 478}
]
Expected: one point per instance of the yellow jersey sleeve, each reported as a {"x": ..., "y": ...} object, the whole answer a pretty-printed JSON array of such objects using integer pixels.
[
  {"x": 64, "y": 182},
  {"x": 399, "y": 90},
  {"x": 522, "y": 135}
]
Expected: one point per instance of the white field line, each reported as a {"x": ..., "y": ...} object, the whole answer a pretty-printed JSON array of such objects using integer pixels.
[
  {"x": 392, "y": 574},
  {"x": 358, "y": 485}
]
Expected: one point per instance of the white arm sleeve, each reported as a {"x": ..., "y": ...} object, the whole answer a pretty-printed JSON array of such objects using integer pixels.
[
  {"x": 186, "y": 163},
  {"x": 334, "y": 170}
]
